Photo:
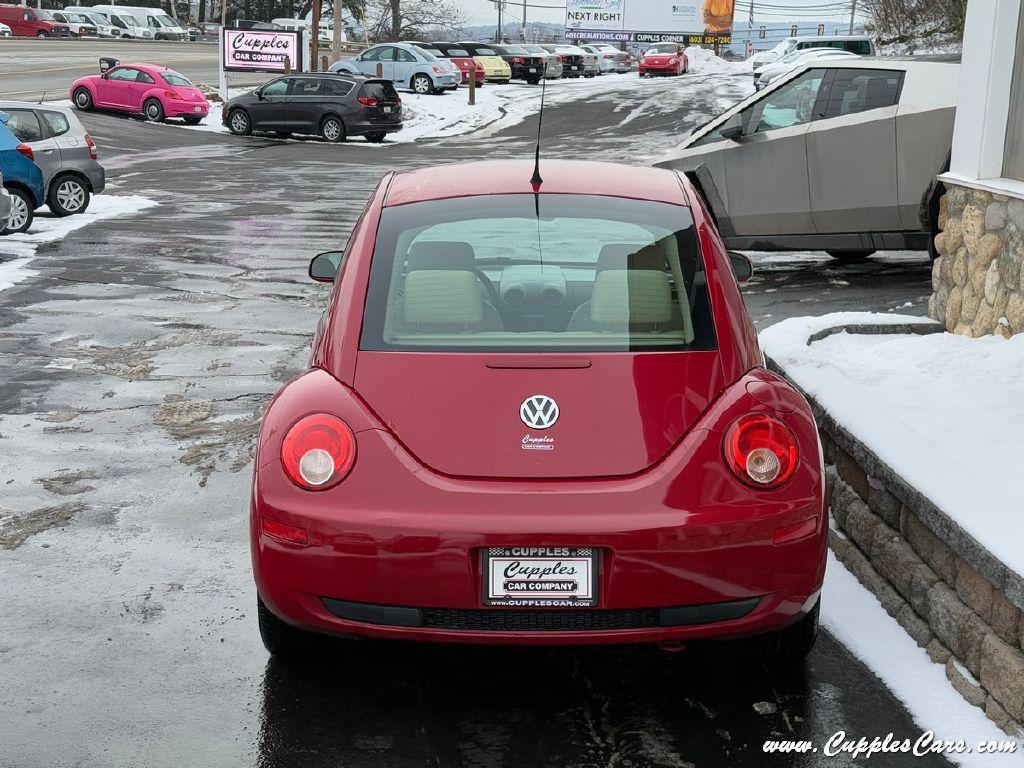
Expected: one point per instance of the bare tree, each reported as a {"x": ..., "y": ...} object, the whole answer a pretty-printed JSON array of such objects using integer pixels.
[{"x": 407, "y": 19}]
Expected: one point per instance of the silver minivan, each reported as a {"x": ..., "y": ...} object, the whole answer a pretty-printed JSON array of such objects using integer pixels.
[
  {"x": 62, "y": 149},
  {"x": 839, "y": 156}
]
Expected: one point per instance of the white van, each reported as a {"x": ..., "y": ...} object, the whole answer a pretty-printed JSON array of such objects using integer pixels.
[
  {"x": 121, "y": 24},
  {"x": 858, "y": 44},
  {"x": 156, "y": 20}
]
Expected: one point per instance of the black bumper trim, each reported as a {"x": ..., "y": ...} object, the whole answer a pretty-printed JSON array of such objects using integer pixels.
[{"x": 540, "y": 620}]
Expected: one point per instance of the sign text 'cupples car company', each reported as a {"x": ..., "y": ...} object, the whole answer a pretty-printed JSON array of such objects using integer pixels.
[
  {"x": 250, "y": 50},
  {"x": 692, "y": 22}
]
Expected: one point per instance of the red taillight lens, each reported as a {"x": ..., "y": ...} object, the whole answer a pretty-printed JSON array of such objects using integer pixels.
[
  {"x": 517, "y": 60},
  {"x": 609, "y": 55},
  {"x": 92, "y": 146},
  {"x": 760, "y": 450},
  {"x": 26, "y": 150},
  {"x": 172, "y": 95},
  {"x": 290, "y": 533},
  {"x": 561, "y": 58},
  {"x": 318, "y": 451},
  {"x": 367, "y": 101}
]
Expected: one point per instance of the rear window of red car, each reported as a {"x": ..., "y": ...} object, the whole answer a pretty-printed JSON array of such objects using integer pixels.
[{"x": 537, "y": 273}]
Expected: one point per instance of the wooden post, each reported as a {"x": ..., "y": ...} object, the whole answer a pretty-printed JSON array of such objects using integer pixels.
[
  {"x": 472, "y": 86},
  {"x": 380, "y": 70},
  {"x": 315, "y": 45},
  {"x": 287, "y": 65}
]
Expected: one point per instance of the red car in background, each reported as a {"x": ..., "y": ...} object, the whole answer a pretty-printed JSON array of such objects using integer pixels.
[
  {"x": 536, "y": 413},
  {"x": 142, "y": 89},
  {"x": 32, "y": 22},
  {"x": 461, "y": 58},
  {"x": 664, "y": 59}
]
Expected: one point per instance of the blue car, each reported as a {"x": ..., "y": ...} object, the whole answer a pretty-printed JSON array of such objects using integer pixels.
[
  {"x": 22, "y": 179},
  {"x": 406, "y": 65}
]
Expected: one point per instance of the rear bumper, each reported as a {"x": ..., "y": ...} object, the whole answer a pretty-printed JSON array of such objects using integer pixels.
[
  {"x": 363, "y": 127},
  {"x": 659, "y": 69},
  {"x": 176, "y": 108},
  {"x": 402, "y": 558}
]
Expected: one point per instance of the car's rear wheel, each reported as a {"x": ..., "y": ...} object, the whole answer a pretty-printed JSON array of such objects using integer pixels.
[
  {"x": 21, "y": 215},
  {"x": 41, "y": 33},
  {"x": 83, "y": 99},
  {"x": 68, "y": 195},
  {"x": 792, "y": 644},
  {"x": 422, "y": 84},
  {"x": 850, "y": 257},
  {"x": 239, "y": 122},
  {"x": 332, "y": 129},
  {"x": 153, "y": 110},
  {"x": 281, "y": 639},
  {"x": 376, "y": 137}
]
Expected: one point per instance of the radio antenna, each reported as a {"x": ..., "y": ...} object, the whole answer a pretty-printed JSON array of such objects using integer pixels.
[{"x": 537, "y": 180}]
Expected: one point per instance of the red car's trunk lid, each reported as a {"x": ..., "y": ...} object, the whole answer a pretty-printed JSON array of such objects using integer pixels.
[{"x": 459, "y": 414}]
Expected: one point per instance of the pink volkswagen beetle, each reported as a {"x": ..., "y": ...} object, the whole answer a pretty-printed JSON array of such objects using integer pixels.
[{"x": 142, "y": 89}]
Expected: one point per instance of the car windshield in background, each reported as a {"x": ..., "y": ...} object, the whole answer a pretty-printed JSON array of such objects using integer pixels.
[
  {"x": 515, "y": 49},
  {"x": 662, "y": 48},
  {"x": 173, "y": 78},
  {"x": 537, "y": 273},
  {"x": 486, "y": 52},
  {"x": 460, "y": 52}
]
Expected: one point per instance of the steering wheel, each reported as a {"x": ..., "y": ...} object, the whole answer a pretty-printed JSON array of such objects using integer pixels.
[{"x": 488, "y": 284}]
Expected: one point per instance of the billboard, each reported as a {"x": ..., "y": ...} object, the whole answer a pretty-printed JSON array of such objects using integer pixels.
[
  {"x": 692, "y": 22},
  {"x": 250, "y": 50}
]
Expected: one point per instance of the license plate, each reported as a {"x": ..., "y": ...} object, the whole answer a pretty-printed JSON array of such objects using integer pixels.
[
  {"x": 533, "y": 69},
  {"x": 541, "y": 577},
  {"x": 198, "y": 109},
  {"x": 387, "y": 110}
]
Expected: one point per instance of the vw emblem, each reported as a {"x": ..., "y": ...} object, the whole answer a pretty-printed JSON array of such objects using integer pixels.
[{"x": 539, "y": 412}]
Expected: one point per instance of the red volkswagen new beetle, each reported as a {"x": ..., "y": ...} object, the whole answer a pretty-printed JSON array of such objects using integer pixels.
[{"x": 537, "y": 414}]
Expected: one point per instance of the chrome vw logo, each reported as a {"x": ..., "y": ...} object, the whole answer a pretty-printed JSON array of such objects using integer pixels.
[{"x": 539, "y": 412}]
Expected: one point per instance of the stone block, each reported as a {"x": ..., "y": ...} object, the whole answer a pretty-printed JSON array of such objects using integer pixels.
[
  {"x": 974, "y": 590},
  {"x": 957, "y": 199},
  {"x": 1015, "y": 212},
  {"x": 957, "y": 626},
  {"x": 1001, "y": 718},
  {"x": 931, "y": 549},
  {"x": 937, "y": 652},
  {"x": 894, "y": 559},
  {"x": 1002, "y": 674},
  {"x": 995, "y": 216},
  {"x": 885, "y": 505},
  {"x": 915, "y": 626},
  {"x": 922, "y": 580},
  {"x": 852, "y": 473},
  {"x": 953, "y": 307},
  {"x": 1015, "y": 312},
  {"x": 861, "y": 525},
  {"x": 973, "y": 223},
  {"x": 1005, "y": 619},
  {"x": 965, "y": 684}
]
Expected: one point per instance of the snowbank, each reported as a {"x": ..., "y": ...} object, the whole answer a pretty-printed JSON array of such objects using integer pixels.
[
  {"x": 17, "y": 250},
  {"x": 846, "y": 609},
  {"x": 943, "y": 411},
  {"x": 502, "y": 106},
  {"x": 704, "y": 61}
]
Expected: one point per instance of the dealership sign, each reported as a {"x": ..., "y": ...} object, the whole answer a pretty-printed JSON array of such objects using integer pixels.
[
  {"x": 692, "y": 22},
  {"x": 248, "y": 50}
]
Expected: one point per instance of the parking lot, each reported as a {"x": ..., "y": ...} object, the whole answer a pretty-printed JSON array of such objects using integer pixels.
[{"x": 139, "y": 353}]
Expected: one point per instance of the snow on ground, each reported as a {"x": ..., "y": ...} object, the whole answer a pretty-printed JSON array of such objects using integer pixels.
[
  {"x": 16, "y": 250},
  {"x": 932, "y": 414},
  {"x": 502, "y": 106},
  {"x": 921, "y": 684}
]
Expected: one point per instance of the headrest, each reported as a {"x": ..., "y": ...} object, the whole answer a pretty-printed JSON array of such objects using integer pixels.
[
  {"x": 441, "y": 254},
  {"x": 442, "y": 297},
  {"x": 630, "y": 297},
  {"x": 630, "y": 256}
]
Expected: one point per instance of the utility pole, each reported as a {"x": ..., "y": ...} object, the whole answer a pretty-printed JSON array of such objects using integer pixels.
[
  {"x": 853, "y": 11},
  {"x": 336, "y": 42},
  {"x": 315, "y": 44},
  {"x": 524, "y": 21},
  {"x": 497, "y": 34},
  {"x": 223, "y": 13}
]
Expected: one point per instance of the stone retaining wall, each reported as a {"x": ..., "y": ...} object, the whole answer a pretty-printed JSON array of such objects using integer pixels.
[
  {"x": 978, "y": 278},
  {"x": 950, "y": 594}
]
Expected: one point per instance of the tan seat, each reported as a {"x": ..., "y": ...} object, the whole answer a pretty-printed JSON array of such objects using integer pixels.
[
  {"x": 449, "y": 256},
  {"x": 618, "y": 257},
  {"x": 628, "y": 299}
]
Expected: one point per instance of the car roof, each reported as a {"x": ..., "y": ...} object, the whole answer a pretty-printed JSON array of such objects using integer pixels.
[
  {"x": 12, "y": 104},
  {"x": 512, "y": 177},
  {"x": 802, "y": 38}
]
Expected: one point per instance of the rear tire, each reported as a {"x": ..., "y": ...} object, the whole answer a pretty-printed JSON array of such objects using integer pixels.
[
  {"x": 83, "y": 99},
  {"x": 792, "y": 644},
  {"x": 850, "y": 257},
  {"x": 21, "y": 212},
  {"x": 533, "y": 81},
  {"x": 41, "y": 33},
  {"x": 332, "y": 129},
  {"x": 422, "y": 84},
  {"x": 281, "y": 639},
  {"x": 69, "y": 195},
  {"x": 153, "y": 110}
]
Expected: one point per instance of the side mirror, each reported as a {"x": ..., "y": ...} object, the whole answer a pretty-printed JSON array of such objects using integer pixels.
[
  {"x": 258, "y": 93},
  {"x": 732, "y": 129},
  {"x": 741, "y": 266},
  {"x": 324, "y": 266}
]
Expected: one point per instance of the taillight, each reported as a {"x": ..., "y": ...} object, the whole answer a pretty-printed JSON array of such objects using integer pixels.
[
  {"x": 609, "y": 55},
  {"x": 437, "y": 70},
  {"x": 92, "y": 146},
  {"x": 367, "y": 101},
  {"x": 26, "y": 150},
  {"x": 173, "y": 95},
  {"x": 318, "y": 451},
  {"x": 517, "y": 60},
  {"x": 760, "y": 450},
  {"x": 561, "y": 58}
]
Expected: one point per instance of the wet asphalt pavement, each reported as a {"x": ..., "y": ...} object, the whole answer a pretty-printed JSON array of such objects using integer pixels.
[{"x": 135, "y": 366}]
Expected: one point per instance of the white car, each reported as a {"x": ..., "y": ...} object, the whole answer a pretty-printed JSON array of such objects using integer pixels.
[
  {"x": 103, "y": 26},
  {"x": 610, "y": 58},
  {"x": 5, "y": 31},
  {"x": 791, "y": 61},
  {"x": 80, "y": 24}
]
